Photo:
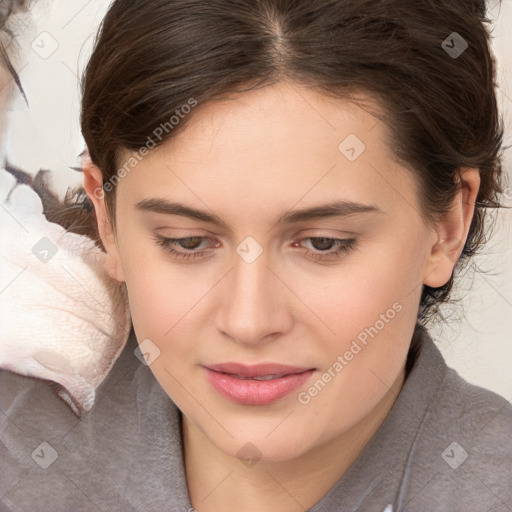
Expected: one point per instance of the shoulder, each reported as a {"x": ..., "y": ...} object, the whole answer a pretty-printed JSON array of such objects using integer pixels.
[
  {"x": 464, "y": 452},
  {"x": 53, "y": 460},
  {"x": 22, "y": 399}
]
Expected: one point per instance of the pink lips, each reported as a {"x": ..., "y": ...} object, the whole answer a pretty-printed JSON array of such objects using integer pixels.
[{"x": 240, "y": 382}]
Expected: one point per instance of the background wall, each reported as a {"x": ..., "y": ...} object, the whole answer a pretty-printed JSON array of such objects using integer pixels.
[{"x": 55, "y": 42}]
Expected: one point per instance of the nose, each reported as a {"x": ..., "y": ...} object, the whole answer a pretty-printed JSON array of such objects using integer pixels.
[{"x": 253, "y": 308}]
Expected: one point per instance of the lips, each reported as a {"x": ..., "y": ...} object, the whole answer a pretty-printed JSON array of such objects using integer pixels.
[
  {"x": 256, "y": 384},
  {"x": 257, "y": 370}
]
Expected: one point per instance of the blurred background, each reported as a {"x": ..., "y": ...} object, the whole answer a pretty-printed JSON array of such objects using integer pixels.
[{"x": 49, "y": 45}]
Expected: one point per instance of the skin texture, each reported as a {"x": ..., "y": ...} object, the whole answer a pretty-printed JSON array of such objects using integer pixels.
[{"x": 249, "y": 161}]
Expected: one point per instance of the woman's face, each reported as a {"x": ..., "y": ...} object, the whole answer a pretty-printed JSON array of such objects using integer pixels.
[{"x": 259, "y": 281}]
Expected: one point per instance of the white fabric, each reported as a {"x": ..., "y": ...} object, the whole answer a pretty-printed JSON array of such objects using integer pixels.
[{"x": 62, "y": 317}]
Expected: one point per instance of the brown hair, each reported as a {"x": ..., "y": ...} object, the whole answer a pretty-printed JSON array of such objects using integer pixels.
[{"x": 151, "y": 58}]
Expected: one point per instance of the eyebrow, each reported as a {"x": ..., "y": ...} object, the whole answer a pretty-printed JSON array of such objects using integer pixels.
[{"x": 333, "y": 209}]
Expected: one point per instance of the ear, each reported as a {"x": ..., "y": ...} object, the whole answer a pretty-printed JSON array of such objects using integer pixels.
[
  {"x": 451, "y": 232},
  {"x": 93, "y": 181}
]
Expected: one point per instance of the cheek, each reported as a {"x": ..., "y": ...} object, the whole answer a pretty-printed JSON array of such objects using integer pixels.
[
  {"x": 162, "y": 309},
  {"x": 165, "y": 302},
  {"x": 152, "y": 305},
  {"x": 158, "y": 291},
  {"x": 156, "y": 297},
  {"x": 371, "y": 310},
  {"x": 367, "y": 290},
  {"x": 373, "y": 319}
]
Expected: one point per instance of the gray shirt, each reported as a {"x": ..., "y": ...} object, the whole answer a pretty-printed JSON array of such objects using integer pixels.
[{"x": 446, "y": 446}]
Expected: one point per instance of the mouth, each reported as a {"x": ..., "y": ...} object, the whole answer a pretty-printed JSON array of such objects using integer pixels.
[
  {"x": 262, "y": 377},
  {"x": 266, "y": 370},
  {"x": 257, "y": 384}
]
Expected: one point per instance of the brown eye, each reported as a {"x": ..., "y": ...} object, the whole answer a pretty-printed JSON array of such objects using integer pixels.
[
  {"x": 184, "y": 248},
  {"x": 190, "y": 243},
  {"x": 321, "y": 246}
]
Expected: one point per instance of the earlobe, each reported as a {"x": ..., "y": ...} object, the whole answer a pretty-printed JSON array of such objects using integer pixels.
[
  {"x": 93, "y": 181},
  {"x": 442, "y": 261},
  {"x": 450, "y": 235}
]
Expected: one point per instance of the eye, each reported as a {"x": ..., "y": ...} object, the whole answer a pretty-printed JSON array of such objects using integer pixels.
[
  {"x": 324, "y": 243},
  {"x": 187, "y": 247},
  {"x": 189, "y": 243}
]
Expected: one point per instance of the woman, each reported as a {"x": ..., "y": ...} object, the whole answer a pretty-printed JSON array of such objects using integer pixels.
[{"x": 286, "y": 189}]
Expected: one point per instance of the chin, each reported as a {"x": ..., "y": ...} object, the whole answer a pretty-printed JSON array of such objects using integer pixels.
[{"x": 262, "y": 447}]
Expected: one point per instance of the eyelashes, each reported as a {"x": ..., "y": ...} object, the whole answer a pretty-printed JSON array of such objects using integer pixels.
[
  {"x": 170, "y": 244},
  {"x": 172, "y": 247},
  {"x": 345, "y": 246}
]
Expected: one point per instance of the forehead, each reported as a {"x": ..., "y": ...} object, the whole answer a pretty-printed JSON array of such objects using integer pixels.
[
  {"x": 276, "y": 146},
  {"x": 282, "y": 115}
]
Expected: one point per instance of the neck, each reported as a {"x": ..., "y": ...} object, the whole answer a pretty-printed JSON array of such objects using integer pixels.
[{"x": 218, "y": 482}]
